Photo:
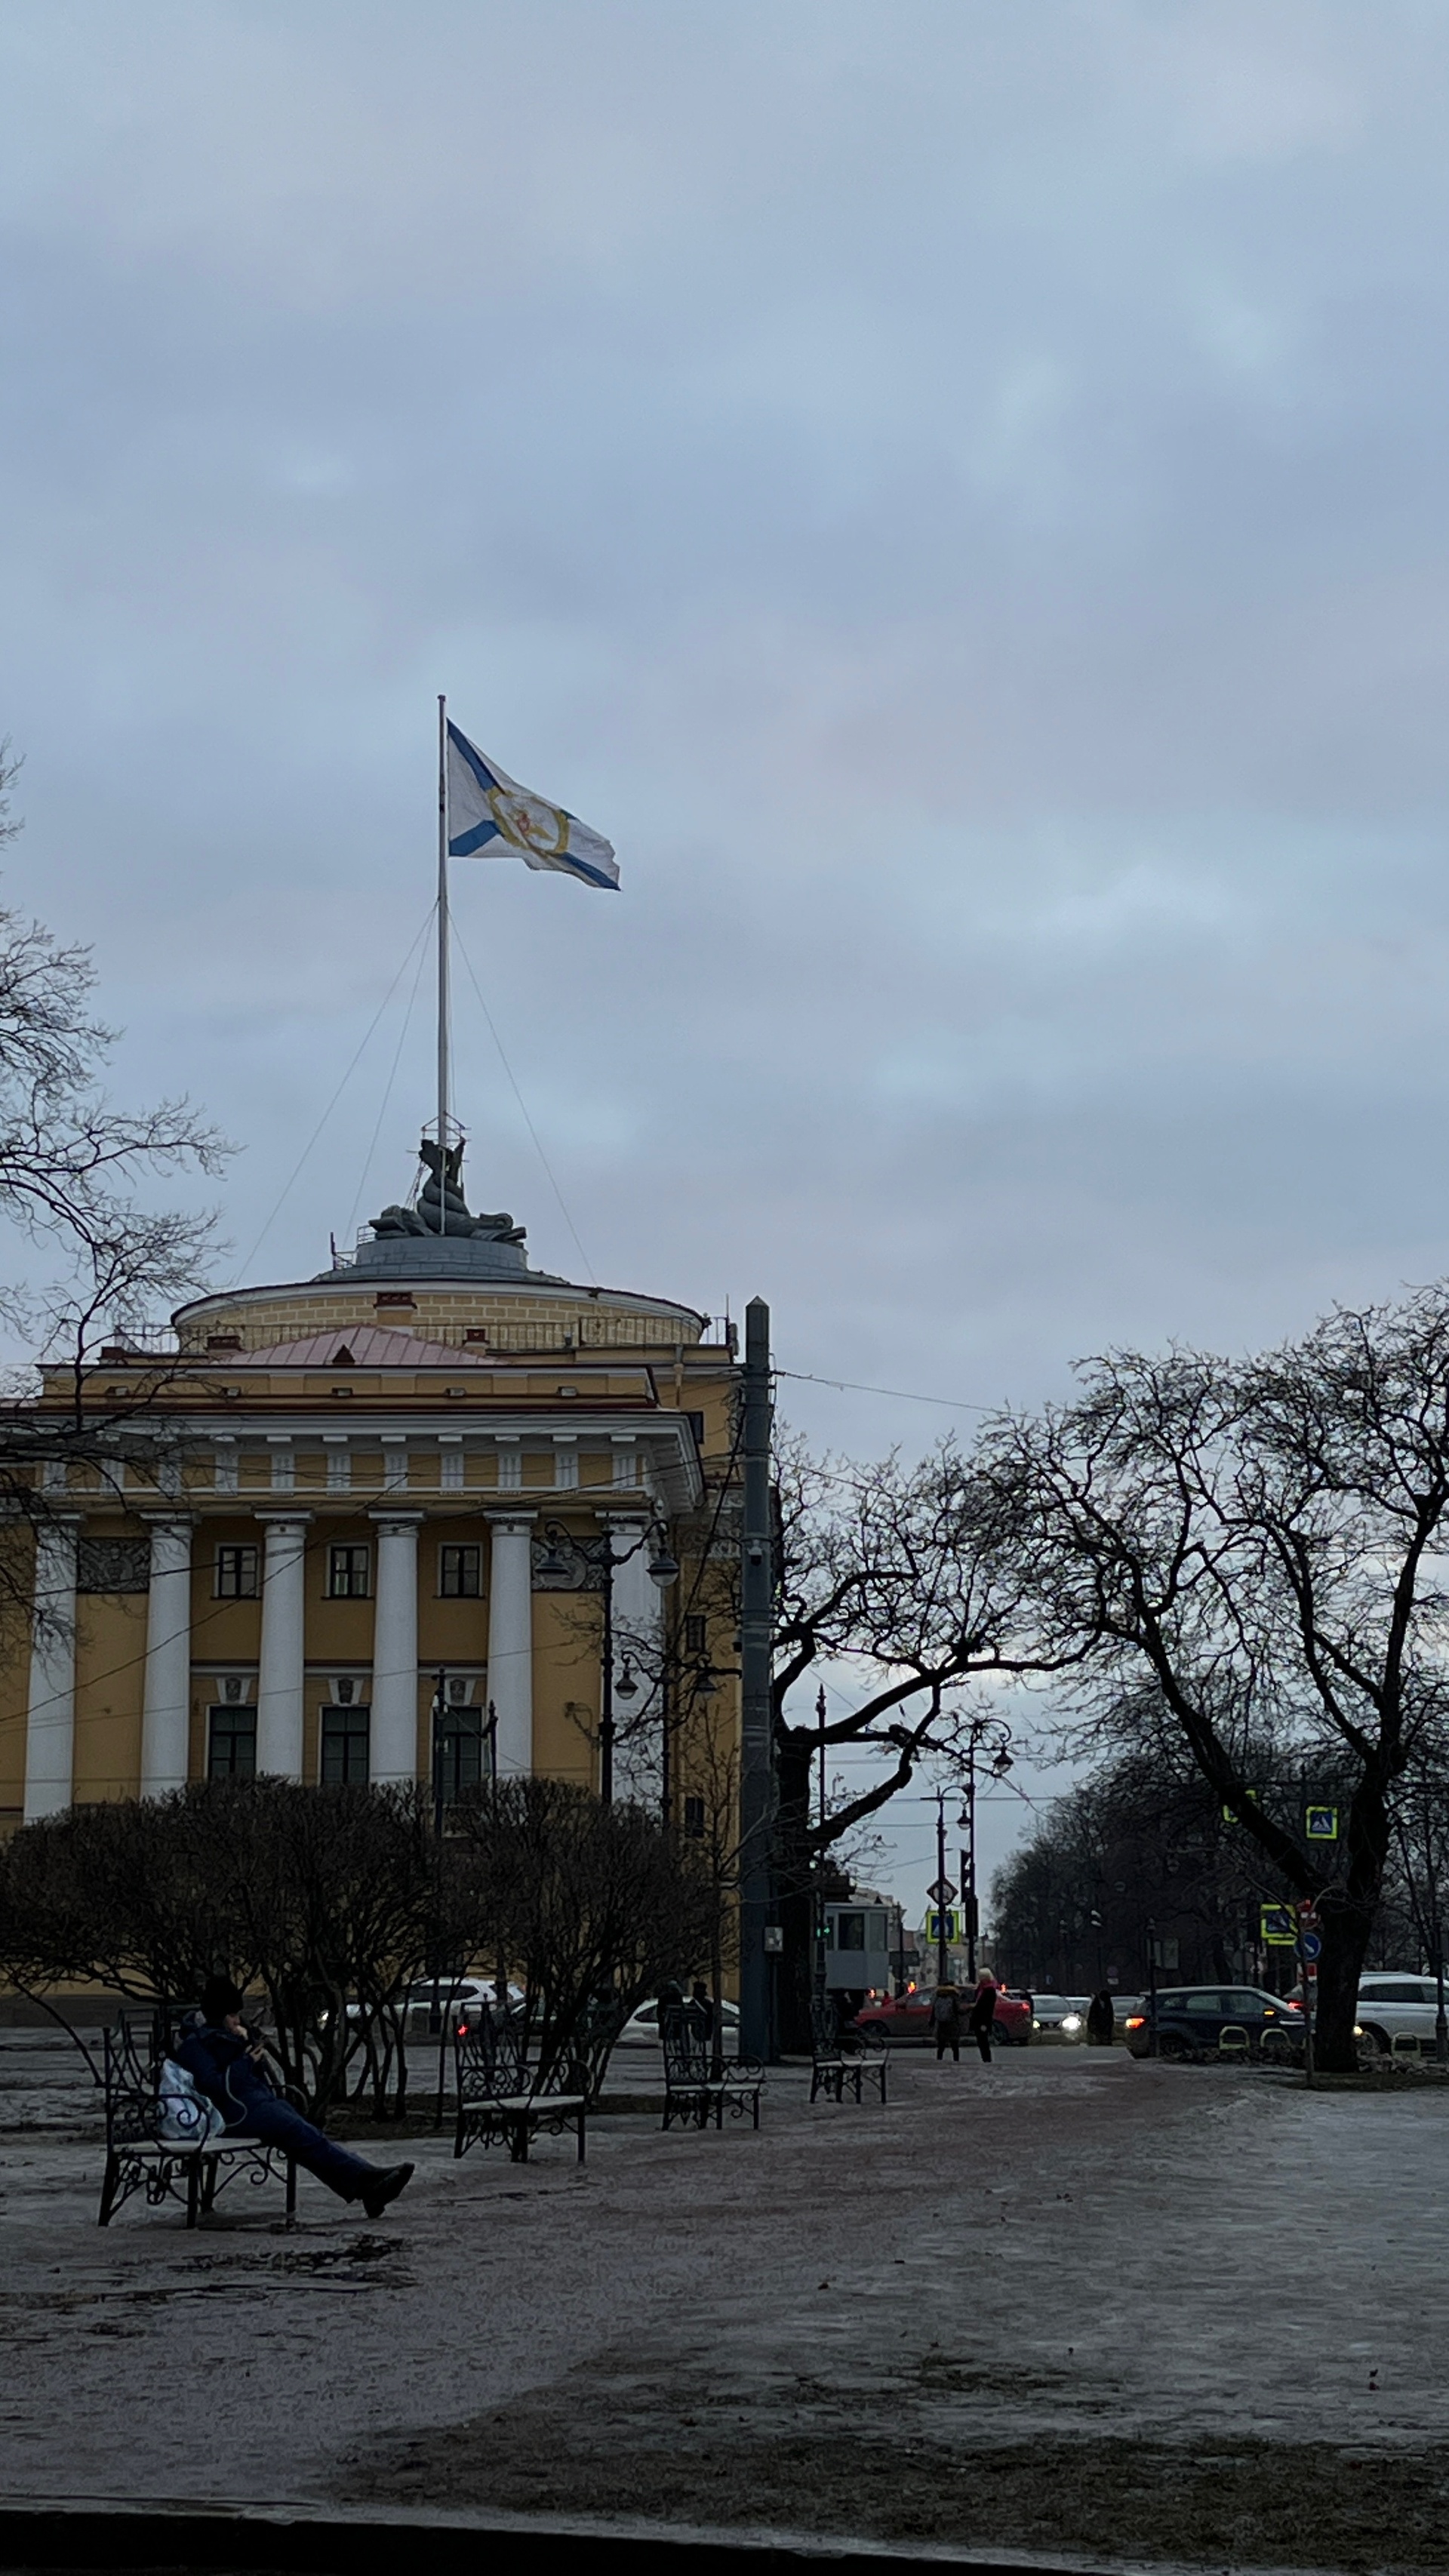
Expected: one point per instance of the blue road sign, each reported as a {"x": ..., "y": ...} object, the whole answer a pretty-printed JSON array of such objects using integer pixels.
[{"x": 1310, "y": 1944}]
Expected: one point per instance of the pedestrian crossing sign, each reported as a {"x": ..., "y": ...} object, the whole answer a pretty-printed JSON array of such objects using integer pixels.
[
  {"x": 943, "y": 1927},
  {"x": 1320, "y": 1824},
  {"x": 1278, "y": 1928}
]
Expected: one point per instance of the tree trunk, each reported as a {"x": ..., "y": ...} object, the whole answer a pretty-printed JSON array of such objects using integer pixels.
[{"x": 1346, "y": 1917}]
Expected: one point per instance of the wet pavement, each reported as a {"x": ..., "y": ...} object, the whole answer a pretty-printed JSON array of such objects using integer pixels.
[{"x": 1066, "y": 2274}]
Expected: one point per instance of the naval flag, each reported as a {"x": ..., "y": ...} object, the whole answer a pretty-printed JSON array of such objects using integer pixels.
[{"x": 492, "y": 817}]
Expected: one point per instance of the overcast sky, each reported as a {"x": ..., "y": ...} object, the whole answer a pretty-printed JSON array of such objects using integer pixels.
[{"x": 955, "y": 492}]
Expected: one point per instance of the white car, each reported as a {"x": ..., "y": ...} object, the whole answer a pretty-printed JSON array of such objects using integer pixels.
[
  {"x": 465, "y": 1997},
  {"x": 641, "y": 2030},
  {"x": 1056, "y": 2018},
  {"x": 1394, "y": 2003}
]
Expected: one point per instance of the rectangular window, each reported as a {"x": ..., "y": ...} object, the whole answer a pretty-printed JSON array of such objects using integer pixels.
[
  {"x": 348, "y": 1571},
  {"x": 224, "y": 1472},
  {"x": 236, "y": 1574},
  {"x": 344, "y": 1745},
  {"x": 695, "y": 1636},
  {"x": 459, "y": 1573},
  {"x": 696, "y": 1424},
  {"x": 394, "y": 1467},
  {"x": 339, "y": 1467},
  {"x": 450, "y": 1475},
  {"x": 850, "y": 1931},
  {"x": 694, "y": 1819},
  {"x": 284, "y": 1468},
  {"x": 231, "y": 1752},
  {"x": 510, "y": 1468},
  {"x": 459, "y": 1753}
]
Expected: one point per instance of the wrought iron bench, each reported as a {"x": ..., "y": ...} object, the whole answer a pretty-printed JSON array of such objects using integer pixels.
[
  {"x": 696, "y": 2083},
  {"x": 146, "y": 2145},
  {"x": 499, "y": 2096},
  {"x": 844, "y": 2057}
]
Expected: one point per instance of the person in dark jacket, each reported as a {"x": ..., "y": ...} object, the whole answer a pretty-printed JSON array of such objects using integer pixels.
[
  {"x": 225, "y": 2061},
  {"x": 981, "y": 2020},
  {"x": 946, "y": 2022},
  {"x": 1101, "y": 2020}
]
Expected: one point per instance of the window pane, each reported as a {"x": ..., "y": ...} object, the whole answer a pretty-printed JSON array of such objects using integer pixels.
[
  {"x": 232, "y": 1744},
  {"x": 344, "y": 1744},
  {"x": 694, "y": 1818},
  {"x": 459, "y": 1571},
  {"x": 347, "y": 1573},
  {"x": 236, "y": 1573},
  {"x": 850, "y": 1931},
  {"x": 460, "y": 1752}
]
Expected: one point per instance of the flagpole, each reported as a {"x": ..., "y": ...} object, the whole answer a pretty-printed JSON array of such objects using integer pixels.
[{"x": 443, "y": 957}]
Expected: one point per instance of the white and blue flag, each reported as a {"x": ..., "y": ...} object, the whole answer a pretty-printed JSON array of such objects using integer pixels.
[{"x": 492, "y": 817}]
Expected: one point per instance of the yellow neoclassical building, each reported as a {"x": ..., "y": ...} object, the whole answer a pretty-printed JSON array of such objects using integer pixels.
[{"x": 360, "y": 1525}]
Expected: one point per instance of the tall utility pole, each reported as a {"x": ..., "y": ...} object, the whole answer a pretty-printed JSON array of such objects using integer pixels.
[
  {"x": 757, "y": 1595},
  {"x": 941, "y": 1895}
]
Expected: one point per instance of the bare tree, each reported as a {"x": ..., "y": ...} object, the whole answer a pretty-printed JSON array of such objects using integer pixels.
[
  {"x": 70, "y": 1164},
  {"x": 1260, "y": 1543}
]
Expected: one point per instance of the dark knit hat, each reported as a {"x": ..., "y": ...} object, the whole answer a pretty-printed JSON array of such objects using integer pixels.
[{"x": 220, "y": 1997}]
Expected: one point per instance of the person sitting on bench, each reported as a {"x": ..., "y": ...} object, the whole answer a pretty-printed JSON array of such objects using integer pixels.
[{"x": 225, "y": 2060}]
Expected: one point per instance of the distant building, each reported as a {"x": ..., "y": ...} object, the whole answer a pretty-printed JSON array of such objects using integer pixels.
[{"x": 314, "y": 1497}]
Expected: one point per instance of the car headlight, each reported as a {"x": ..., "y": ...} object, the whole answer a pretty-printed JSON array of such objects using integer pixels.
[
  {"x": 1071, "y": 2021},
  {"x": 1036, "y": 2025},
  {"x": 1358, "y": 2030}
]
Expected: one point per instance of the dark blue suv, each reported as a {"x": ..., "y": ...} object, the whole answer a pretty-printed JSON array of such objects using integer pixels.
[{"x": 1190, "y": 2019}]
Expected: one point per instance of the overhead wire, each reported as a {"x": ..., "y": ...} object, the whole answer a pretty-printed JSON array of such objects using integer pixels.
[
  {"x": 523, "y": 1107},
  {"x": 904, "y": 1394},
  {"x": 391, "y": 1079},
  {"x": 244, "y": 1266}
]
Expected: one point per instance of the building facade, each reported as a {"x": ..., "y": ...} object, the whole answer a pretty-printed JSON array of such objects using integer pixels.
[{"x": 361, "y": 1526}]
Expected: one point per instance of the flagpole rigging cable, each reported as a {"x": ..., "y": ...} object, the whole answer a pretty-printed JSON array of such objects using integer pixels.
[{"x": 443, "y": 955}]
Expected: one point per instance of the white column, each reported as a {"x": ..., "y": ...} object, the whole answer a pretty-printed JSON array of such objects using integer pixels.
[
  {"x": 280, "y": 1691},
  {"x": 166, "y": 1710},
  {"x": 393, "y": 1752},
  {"x": 510, "y": 1640},
  {"x": 50, "y": 1718}
]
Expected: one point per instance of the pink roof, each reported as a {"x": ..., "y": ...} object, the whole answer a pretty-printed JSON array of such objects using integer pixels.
[{"x": 370, "y": 1345}]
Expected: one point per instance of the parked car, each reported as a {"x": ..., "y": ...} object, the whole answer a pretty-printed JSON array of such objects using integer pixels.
[
  {"x": 1395, "y": 2002},
  {"x": 1058, "y": 2019},
  {"x": 464, "y": 2000},
  {"x": 907, "y": 2018},
  {"x": 1189, "y": 2019},
  {"x": 641, "y": 2030}
]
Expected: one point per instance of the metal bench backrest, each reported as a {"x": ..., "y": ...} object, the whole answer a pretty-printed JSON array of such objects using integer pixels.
[{"x": 824, "y": 2028}]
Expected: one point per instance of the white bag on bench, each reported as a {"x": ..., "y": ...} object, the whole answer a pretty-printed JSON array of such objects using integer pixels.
[{"x": 187, "y": 2118}]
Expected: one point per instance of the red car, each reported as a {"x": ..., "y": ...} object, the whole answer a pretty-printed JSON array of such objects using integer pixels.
[{"x": 908, "y": 2017}]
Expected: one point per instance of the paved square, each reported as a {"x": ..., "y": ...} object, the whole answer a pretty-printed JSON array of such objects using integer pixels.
[{"x": 1065, "y": 2302}]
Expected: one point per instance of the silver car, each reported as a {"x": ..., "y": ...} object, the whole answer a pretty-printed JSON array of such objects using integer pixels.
[{"x": 1396, "y": 2004}]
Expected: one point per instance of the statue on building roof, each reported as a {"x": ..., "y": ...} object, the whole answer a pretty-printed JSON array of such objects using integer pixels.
[{"x": 441, "y": 1207}]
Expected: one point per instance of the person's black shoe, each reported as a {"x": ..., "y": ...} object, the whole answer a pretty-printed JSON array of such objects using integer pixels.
[{"x": 386, "y": 2187}]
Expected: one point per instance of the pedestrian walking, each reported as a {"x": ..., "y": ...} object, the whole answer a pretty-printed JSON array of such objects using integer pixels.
[
  {"x": 946, "y": 2022},
  {"x": 1101, "y": 2020},
  {"x": 981, "y": 2020}
]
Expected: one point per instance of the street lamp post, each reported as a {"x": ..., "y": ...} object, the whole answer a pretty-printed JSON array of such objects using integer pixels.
[
  {"x": 940, "y": 1887},
  {"x": 1151, "y": 1985},
  {"x": 1000, "y": 1765}
]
